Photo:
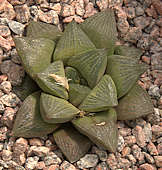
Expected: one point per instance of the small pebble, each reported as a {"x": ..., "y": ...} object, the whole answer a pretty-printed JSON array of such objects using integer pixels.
[
  {"x": 4, "y": 31},
  {"x": 158, "y": 161},
  {"x": 102, "y": 154},
  {"x": 152, "y": 149},
  {"x": 20, "y": 146},
  {"x": 88, "y": 161},
  {"x": 67, "y": 166},
  {"x": 6, "y": 87},
  {"x": 51, "y": 158},
  {"x": 121, "y": 143},
  {"x": 6, "y": 155},
  {"x": 147, "y": 166},
  {"x": 16, "y": 27},
  {"x": 149, "y": 158},
  {"x": 31, "y": 162}
]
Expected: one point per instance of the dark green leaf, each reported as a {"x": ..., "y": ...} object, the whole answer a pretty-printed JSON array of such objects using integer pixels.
[
  {"x": 72, "y": 143},
  {"x": 27, "y": 87},
  {"x": 124, "y": 71},
  {"x": 28, "y": 121},
  {"x": 35, "y": 53},
  {"x": 102, "y": 97},
  {"x": 56, "y": 110},
  {"x": 135, "y": 104},
  {"x": 74, "y": 41},
  {"x": 77, "y": 93},
  {"x": 53, "y": 81},
  {"x": 43, "y": 30},
  {"x": 100, "y": 128},
  {"x": 101, "y": 29},
  {"x": 91, "y": 65},
  {"x": 72, "y": 75},
  {"x": 128, "y": 51}
]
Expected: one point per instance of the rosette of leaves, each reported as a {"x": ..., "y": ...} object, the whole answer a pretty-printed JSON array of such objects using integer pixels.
[{"x": 86, "y": 83}]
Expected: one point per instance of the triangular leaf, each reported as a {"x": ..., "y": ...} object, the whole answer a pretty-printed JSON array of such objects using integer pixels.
[
  {"x": 101, "y": 29},
  {"x": 72, "y": 75},
  {"x": 28, "y": 121},
  {"x": 124, "y": 71},
  {"x": 102, "y": 97},
  {"x": 72, "y": 143},
  {"x": 135, "y": 104},
  {"x": 77, "y": 93},
  {"x": 56, "y": 110},
  {"x": 128, "y": 51},
  {"x": 27, "y": 87},
  {"x": 43, "y": 30},
  {"x": 49, "y": 82},
  {"x": 74, "y": 41},
  {"x": 35, "y": 53},
  {"x": 91, "y": 65},
  {"x": 100, "y": 128}
]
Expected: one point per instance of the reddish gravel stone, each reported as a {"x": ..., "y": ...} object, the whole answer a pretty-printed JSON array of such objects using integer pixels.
[
  {"x": 22, "y": 13},
  {"x": 20, "y": 146},
  {"x": 146, "y": 59},
  {"x": 158, "y": 6},
  {"x": 126, "y": 151},
  {"x": 140, "y": 136},
  {"x": 5, "y": 44},
  {"x": 40, "y": 165},
  {"x": 3, "y": 78},
  {"x": 67, "y": 166},
  {"x": 147, "y": 166},
  {"x": 6, "y": 10},
  {"x": 151, "y": 12},
  {"x": 35, "y": 142},
  {"x": 56, "y": 167},
  {"x": 152, "y": 149},
  {"x": 158, "y": 161},
  {"x": 8, "y": 117},
  {"x": 4, "y": 31},
  {"x": 89, "y": 10}
]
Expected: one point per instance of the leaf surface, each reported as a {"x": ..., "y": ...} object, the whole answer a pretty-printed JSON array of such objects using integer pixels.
[
  {"x": 124, "y": 71},
  {"x": 102, "y": 97},
  {"x": 43, "y": 30},
  {"x": 91, "y": 65},
  {"x": 29, "y": 122},
  {"x": 52, "y": 85},
  {"x": 56, "y": 110},
  {"x": 72, "y": 143},
  {"x": 74, "y": 41},
  {"x": 100, "y": 128},
  {"x": 128, "y": 51},
  {"x": 77, "y": 93},
  {"x": 72, "y": 75},
  {"x": 27, "y": 87},
  {"x": 101, "y": 29},
  {"x": 135, "y": 104},
  {"x": 35, "y": 53}
]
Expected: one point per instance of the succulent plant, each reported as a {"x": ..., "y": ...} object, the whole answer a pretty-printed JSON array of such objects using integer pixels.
[{"x": 86, "y": 83}]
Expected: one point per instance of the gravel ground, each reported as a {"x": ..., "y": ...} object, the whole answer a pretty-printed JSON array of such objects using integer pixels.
[{"x": 139, "y": 23}]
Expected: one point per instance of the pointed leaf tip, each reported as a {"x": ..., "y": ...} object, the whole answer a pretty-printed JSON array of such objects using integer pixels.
[
  {"x": 100, "y": 128},
  {"x": 74, "y": 41},
  {"x": 135, "y": 104},
  {"x": 91, "y": 65},
  {"x": 125, "y": 71},
  {"x": 72, "y": 143},
  {"x": 28, "y": 121},
  {"x": 35, "y": 53},
  {"x": 53, "y": 81},
  {"x": 56, "y": 110},
  {"x": 102, "y": 97},
  {"x": 43, "y": 30}
]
